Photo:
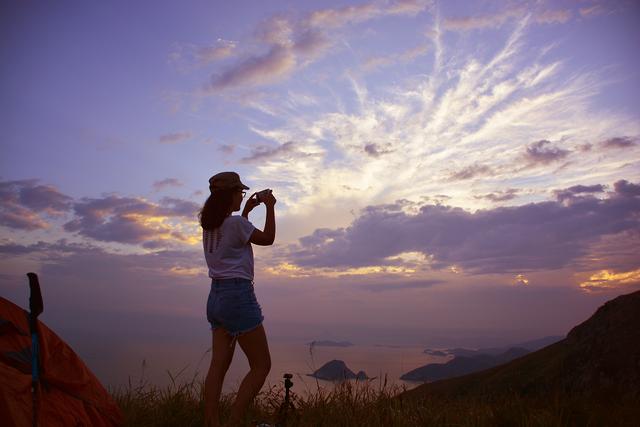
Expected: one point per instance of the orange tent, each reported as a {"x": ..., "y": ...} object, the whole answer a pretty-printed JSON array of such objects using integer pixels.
[{"x": 67, "y": 394}]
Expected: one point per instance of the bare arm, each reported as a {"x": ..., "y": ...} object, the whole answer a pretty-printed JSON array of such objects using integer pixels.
[{"x": 268, "y": 235}]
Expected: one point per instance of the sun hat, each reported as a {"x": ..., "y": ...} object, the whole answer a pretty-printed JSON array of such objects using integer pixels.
[{"x": 226, "y": 181}]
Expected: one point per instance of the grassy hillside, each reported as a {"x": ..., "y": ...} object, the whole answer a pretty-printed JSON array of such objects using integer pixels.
[{"x": 371, "y": 404}]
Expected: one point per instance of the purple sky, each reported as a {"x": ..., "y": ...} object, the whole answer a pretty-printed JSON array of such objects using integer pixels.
[{"x": 445, "y": 171}]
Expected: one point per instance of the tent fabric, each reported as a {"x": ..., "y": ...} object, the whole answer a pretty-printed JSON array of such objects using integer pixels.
[{"x": 69, "y": 393}]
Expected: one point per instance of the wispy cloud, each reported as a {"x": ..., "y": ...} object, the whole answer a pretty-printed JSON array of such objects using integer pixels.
[
  {"x": 226, "y": 148},
  {"x": 262, "y": 152},
  {"x": 167, "y": 182},
  {"x": 274, "y": 65},
  {"x": 497, "y": 19},
  {"x": 477, "y": 22},
  {"x": 603, "y": 7},
  {"x": 174, "y": 138},
  {"x": 593, "y": 10},
  {"x": 500, "y": 196},
  {"x": 554, "y": 16},
  {"x": 338, "y": 17},
  {"x": 409, "y": 55},
  {"x": 409, "y": 7},
  {"x": 292, "y": 43},
  {"x": 220, "y": 50},
  {"x": 471, "y": 171},
  {"x": 471, "y": 118},
  {"x": 187, "y": 56}
]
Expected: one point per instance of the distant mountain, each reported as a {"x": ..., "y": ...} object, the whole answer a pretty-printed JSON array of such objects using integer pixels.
[
  {"x": 462, "y": 365},
  {"x": 598, "y": 359},
  {"x": 336, "y": 370},
  {"x": 534, "y": 345},
  {"x": 328, "y": 343},
  {"x": 436, "y": 353},
  {"x": 531, "y": 345}
]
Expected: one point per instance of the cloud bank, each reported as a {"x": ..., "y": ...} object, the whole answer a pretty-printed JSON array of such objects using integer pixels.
[
  {"x": 537, "y": 236},
  {"x": 30, "y": 206},
  {"x": 25, "y": 204},
  {"x": 130, "y": 220}
]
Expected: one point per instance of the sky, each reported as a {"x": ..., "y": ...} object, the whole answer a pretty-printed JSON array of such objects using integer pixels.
[{"x": 446, "y": 172}]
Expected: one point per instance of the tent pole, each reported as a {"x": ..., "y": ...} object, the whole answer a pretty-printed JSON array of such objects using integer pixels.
[{"x": 35, "y": 308}]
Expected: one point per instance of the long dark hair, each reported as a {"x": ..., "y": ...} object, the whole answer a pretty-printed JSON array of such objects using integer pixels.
[{"x": 215, "y": 209}]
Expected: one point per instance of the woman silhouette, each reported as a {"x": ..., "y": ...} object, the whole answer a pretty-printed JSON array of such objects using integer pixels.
[{"x": 232, "y": 307}]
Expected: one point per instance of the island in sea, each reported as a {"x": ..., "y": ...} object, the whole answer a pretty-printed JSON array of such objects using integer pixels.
[
  {"x": 532, "y": 345},
  {"x": 337, "y": 370}
]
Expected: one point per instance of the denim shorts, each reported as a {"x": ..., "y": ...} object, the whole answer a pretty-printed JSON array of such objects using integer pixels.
[{"x": 232, "y": 305}]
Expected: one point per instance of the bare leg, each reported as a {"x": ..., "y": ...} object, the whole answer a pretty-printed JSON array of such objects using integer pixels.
[
  {"x": 254, "y": 344},
  {"x": 221, "y": 356}
]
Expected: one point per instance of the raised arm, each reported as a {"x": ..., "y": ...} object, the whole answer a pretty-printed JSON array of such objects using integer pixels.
[{"x": 268, "y": 235}]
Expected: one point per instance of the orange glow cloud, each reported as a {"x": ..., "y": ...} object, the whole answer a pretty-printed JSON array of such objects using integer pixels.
[
  {"x": 607, "y": 280},
  {"x": 292, "y": 270},
  {"x": 166, "y": 228}
]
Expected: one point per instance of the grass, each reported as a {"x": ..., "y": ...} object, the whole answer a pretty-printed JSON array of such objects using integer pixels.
[
  {"x": 363, "y": 403},
  {"x": 370, "y": 403}
]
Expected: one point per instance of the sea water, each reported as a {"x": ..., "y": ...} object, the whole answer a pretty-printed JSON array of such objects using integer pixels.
[{"x": 160, "y": 364}]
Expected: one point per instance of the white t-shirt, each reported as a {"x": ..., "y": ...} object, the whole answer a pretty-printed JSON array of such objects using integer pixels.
[{"x": 227, "y": 249}]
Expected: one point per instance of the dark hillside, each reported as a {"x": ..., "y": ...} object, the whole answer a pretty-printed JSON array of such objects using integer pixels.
[{"x": 599, "y": 358}]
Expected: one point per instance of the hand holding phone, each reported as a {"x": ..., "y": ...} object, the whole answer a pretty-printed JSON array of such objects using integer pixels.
[
  {"x": 266, "y": 197},
  {"x": 261, "y": 195}
]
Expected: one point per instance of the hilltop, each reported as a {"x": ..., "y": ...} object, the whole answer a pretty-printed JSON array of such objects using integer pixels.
[{"x": 598, "y": 358}]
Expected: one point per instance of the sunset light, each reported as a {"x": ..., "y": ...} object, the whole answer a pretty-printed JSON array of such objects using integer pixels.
[{"x": 446, "y": 174}]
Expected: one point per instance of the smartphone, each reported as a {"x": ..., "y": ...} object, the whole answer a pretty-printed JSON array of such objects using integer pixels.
[{"x": 261, "y": 194}]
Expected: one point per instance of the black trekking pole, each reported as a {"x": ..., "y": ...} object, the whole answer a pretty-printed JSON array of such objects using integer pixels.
[
  {"x": 286, "y": 406},
  {"x": 35, "y": 308}
]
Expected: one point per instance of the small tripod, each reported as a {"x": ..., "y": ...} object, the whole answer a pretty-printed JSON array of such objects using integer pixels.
[{"x": 287, "y": 406}]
